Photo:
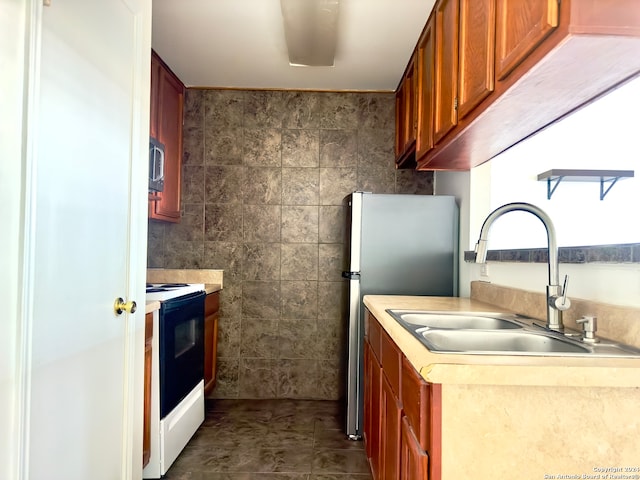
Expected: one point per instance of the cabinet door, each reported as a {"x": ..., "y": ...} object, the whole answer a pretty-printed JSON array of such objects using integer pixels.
[
  {"x": 211, "y": 316},
  {"x": 372, "y": 412},
  {"x": 409, "y": 106},
  {"x": 399, "y": 121},
  {"x": 366, "y": 411},
  {"x": 520, "y": 28},
  {"x": 170, "y": 98},
  {"x": 446, "y": 67},
  {"x": 390, "y": 416},
  {"x": 415, "y": 397},
  {"x": 425, "y": 93},
  {"x": 153, "y": 106},
  {"x": 477, "y": 53},
  {"x": 146, "y": 427},
  {"x": 414, "y": 462},
  {"x": 406, "y": 125}
]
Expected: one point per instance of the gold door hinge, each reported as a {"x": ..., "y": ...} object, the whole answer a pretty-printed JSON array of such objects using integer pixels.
[{"x": 46, "y": 3}]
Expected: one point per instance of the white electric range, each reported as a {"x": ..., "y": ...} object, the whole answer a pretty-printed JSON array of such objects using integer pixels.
[
  {"x": 177, "y": 383},
  {"x": 167, "y": 291}
]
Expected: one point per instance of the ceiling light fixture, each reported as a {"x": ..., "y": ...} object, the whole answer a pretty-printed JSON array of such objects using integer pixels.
[{"x": 310, "y": 30}]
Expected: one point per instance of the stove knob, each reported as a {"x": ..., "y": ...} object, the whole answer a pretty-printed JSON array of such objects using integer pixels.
[{"x": 121, "y": 306}]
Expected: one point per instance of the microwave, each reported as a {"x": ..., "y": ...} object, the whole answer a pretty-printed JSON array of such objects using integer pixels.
[{"x": 156, "y": 165}]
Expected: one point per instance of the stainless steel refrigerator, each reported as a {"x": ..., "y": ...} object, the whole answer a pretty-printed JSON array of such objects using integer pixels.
[{"x": 395, "y": 245}]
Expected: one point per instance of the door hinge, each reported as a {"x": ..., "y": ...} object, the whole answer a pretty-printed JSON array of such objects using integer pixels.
[
  {"x": 46, "y": 3},
  {"x": 351, "y": 275},
  {"x": 455, "y": 103}
]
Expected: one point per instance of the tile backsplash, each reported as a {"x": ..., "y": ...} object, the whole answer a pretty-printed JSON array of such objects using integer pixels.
[
  {"x": 264, "y": 175},
  {"x": 614, "y": 322}
]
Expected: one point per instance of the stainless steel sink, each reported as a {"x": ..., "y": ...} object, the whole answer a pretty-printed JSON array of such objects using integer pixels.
[
  {"x": 482, "y": 333},
  {"x": 457, "y": 320},
  {"x": 509, "y": 342}
]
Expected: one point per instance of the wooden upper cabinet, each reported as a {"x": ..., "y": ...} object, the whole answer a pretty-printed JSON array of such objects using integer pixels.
[
  {"x": 155, "y": 76},
  {"x": 410, "y": 125},
  {"x": 476, "y": 53},
  {"x": 446, "y": 67},
  {"x": 166, "y": 126},
  {"x": 520, "y": 27},
  {"x": 406, "y": 122},
  {"x": 425, "y": 93},
  {"x": 399, "y": 123}
]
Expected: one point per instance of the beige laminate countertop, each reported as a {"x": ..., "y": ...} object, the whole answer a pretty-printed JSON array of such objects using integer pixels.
[
  {"x": 495, "y": 369},
  {"x": 152, "y": 306}
]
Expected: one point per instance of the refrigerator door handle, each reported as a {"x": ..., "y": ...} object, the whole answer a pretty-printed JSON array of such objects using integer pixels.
[{"x": 351, "y": 275}]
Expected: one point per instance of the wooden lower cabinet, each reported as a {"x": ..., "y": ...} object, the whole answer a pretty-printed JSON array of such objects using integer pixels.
[
  {"x": 211, "y": 318},
  {"x": 372, "y": 420},
  {"x": 401, "y": 413},
  {"x": 391, "y": 415},
  {"x": 414, "y": 461},
  {"x": 146, "y": 427}
]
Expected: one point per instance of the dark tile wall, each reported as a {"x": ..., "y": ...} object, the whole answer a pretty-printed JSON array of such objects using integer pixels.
[
  {"x": 620, "y": 253},
  {"x": 264, "y": 176}
]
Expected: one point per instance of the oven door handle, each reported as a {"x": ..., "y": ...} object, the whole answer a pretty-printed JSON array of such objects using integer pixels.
[{"x": 180, "y": 302}]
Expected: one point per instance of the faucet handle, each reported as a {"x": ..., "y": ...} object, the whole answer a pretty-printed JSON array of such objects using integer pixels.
[
  {"x": 564, "y": 290},
  {"x": 559, "y": 300}
]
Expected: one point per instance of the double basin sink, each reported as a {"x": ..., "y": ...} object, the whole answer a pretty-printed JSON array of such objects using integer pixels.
[{"x": 482, "y": 333}]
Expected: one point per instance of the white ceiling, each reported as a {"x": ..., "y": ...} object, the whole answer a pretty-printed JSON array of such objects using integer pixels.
[{"x": 240, "y": 43}]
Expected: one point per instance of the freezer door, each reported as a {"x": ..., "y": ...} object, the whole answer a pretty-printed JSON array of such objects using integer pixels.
[{"x": 408, "y": 245}]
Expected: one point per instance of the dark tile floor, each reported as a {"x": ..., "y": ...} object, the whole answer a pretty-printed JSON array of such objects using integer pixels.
[{"x": 271, "y": 440}]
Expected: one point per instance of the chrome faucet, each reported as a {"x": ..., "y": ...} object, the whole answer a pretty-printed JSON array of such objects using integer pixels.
[{"x": 557, "y": 300}]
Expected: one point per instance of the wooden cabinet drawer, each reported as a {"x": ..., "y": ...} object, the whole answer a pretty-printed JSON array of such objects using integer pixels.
[
  {"x": 415, "y": 398},
  {"x": 374, "y": 333},
  {"x": 212, "y": 303},
  {"x": 391, "y": 361}
]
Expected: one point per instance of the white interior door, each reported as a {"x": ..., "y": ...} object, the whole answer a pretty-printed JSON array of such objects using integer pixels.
[{"x": 78, "y": 384}]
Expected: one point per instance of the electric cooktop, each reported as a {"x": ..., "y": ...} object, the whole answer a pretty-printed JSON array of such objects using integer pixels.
[{"x": 167, "y": 291}]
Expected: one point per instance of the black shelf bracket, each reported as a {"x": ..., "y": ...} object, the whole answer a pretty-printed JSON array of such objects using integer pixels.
[{"x": 606, "y": 178}]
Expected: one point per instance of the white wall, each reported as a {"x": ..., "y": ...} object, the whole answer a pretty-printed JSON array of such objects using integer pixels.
[
  {"x": 605, "y": 134},
  {"x": 12, "y": 55},
  {"x": 459, "y": 185}
]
